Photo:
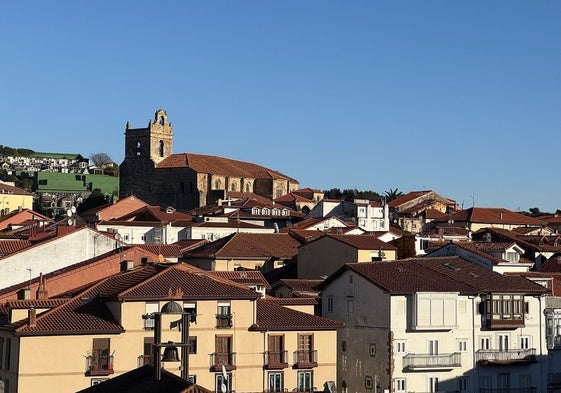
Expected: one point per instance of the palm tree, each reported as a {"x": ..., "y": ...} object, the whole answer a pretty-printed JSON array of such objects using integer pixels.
[{"x": 392, "y": 194}]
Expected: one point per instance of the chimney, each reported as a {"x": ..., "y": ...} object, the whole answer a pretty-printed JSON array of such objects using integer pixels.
[
  {"x": 32, "y": 314},
  {"x": 42, "y": 288}
]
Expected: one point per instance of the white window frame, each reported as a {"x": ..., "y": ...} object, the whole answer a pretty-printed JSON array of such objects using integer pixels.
[
  {"x": 400, "y": 346},
  {"x": 525, "y": 342},
  {"x": 485, "y": 343},
  {"x": 400, "y": 385},
  {"x": 462, "y": 344}
]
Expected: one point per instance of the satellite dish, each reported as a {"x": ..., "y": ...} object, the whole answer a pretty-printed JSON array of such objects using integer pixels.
[
  {"x": 73, "y": 209},
  {"x": 69, "y": 212},
  {"x": 224, "y": 373},
  {"x": 223, "y": 388}
]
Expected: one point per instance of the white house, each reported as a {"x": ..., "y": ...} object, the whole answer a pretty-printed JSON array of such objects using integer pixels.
[{"x": 436, "y": 324}]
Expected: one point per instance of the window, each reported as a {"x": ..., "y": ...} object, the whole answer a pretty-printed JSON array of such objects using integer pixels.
[
  {"x": 223, "y": 315},
  {"x": 462, "y": 345},
  {"x": 525, "y": 342},
  {"x": 223, "y": 385},
  {"x": 399, "y": 385},
  {"x": 485, "y": 343},
  {"x": 305, "y": 352},
  {"x": 500, "y": 307},
  {"x": 276, "y": 355},
  {"x": 433, "y": 384},
  {"x": 368, "y": 384},
  {"x": 161, "y": 148},
  {"x": 399, "y": 346},
  {"x": 150, "y": 308},
  {"x": 223, "y": 355},
  {"x": 7, "y": 359},
  {"x": 462, "y": 383},
  {"x": 276, "y": 382},
  {"x": 192, "y": 344},
  {"x": 100, "y": 362},
  {"x": 305, "y": 381},
  {"x": 148, "y": 351},
  {"x": 191, "y": 308},
  {"x": 433, "y": 346},
  {"x": 330, "y": 304},
  {"x": 350, "y": 304},
  {"x": 372, "y": 349},
  {"x": 138, "y": 147},
  {"x": 503, "y": 341}
]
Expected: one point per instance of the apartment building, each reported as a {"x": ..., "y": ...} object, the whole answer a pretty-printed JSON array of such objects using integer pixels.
[{"x": 436, "y": 325}]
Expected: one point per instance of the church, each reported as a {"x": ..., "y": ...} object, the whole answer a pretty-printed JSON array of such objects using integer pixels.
[{"x": 185, "y": 181}]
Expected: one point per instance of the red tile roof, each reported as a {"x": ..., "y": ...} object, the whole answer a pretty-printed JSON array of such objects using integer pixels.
[
  {"x": 8, "y": 247},
  {"x": 407, "y": 198},
  {"x": 363, "y": 242},
  {"x": 273, "y": 316},
  {"x": 8, "y": 189},
  {"x": 490, "y": 215},
  {"x": 221, "y": 166},
  {"x": 118, "y": 209},
  {"x": 167, "y": 250},
  {"x": 249, "y": 245},
  {"x": 441, "y": 274},
  {"x": 301, "y": 285},
  {"x": 245, "y": 277}
]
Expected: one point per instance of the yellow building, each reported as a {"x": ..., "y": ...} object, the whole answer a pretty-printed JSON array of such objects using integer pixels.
[
  {"x": 236, "y": 338},
  {"x": 13, "y": 198}
]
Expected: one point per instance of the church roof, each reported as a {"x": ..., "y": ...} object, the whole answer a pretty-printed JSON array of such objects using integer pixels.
[{"x": 203, "y": 163}]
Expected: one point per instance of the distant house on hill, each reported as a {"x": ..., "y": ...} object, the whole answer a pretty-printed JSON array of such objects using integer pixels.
[{"x": 152, "y": 172}]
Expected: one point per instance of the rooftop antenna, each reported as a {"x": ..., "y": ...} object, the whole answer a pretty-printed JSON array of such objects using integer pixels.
[{"x": 472, "y": 199}]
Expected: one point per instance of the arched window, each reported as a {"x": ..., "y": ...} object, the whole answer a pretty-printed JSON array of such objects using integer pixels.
[
  {"x": 161, "y": 148},
  {"x": 217, "y": 185},
  {"x": 233, "y": 187},
  {"x": 247, "y": 188},
  {"x": 138, "y": 146},
  {"x": 162, "y": 121}
]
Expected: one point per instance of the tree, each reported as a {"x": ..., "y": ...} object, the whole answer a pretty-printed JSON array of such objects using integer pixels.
[
  {"x": 534, "y": 211},
  {"x": 392, "y": 194},
  {"x": 101, "y": 159},
  {"x": 96, "y": 198}
]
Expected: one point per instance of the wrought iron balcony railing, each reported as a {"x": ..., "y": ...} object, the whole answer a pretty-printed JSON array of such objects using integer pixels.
[{"x": 489, "y": 356}]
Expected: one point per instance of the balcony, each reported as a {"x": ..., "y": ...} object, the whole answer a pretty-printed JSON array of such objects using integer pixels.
[
  {"x": 99, "y": 365},
  {"x": 509, "y": 390},
  {"x": 445, "y": 361},
  {"x": 506, "y": 357},
  {"x": 219, "y": 359},
  {"x": 275, "y": 360},
  {"x": 223, "y": 321},
  {"x": 492, "y": 322},
  {"x": 305, "y": 359}
]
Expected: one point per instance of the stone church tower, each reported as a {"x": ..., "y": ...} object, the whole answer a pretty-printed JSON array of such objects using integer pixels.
[
  {"x": 154, "y": 142},
  {"x": 144, "y": 149},
  {"x": 151, "y": 172}
]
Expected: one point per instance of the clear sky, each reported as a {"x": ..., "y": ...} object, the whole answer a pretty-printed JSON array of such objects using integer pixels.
[{"x": 463, "y": 97}]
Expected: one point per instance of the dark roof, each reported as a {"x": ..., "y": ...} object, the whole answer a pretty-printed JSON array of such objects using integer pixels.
[
  {"x": 141, "y": 380},
  {"x": 440, "y": 274},
  {"x": 245, "y": 277},
  {"x": 490, "y": 215},
  {"x": 273, "y": 316}
]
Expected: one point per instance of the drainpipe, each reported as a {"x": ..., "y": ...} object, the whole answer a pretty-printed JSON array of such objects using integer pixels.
[{"x": 474, "y": 363}]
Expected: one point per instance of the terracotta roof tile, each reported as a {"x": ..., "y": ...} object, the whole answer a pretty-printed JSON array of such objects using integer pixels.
[
  {"x": 189, "y": 282},
  {"x": 249, "y": 245},
  {"x": 301, "y": 285},
  {"x": 221, "y": 166},
  {"x": 12, "y": 246},
  {"x": 245, "y": 277},
  {"x": 273, "y": 316},
  {"x": 363, "y": 242},
  {"x": 490, "y": 215},
  {"x": 441, "y": 274}
]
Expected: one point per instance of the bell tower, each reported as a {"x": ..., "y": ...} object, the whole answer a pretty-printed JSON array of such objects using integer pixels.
[{"x": 154, "y": 142}]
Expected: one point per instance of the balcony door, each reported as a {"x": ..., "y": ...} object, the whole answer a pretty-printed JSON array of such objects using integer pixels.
[
  {"x": 503, "y": 341},
  {"x": 433, "y": 385},
  {"x": 432, "y": 351},
  {"x": 223, "y": 350},
  {"x": 276, "y": 347}
]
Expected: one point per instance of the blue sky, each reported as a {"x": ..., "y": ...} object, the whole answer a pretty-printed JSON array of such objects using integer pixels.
[{"x": 463, "y": 97}]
